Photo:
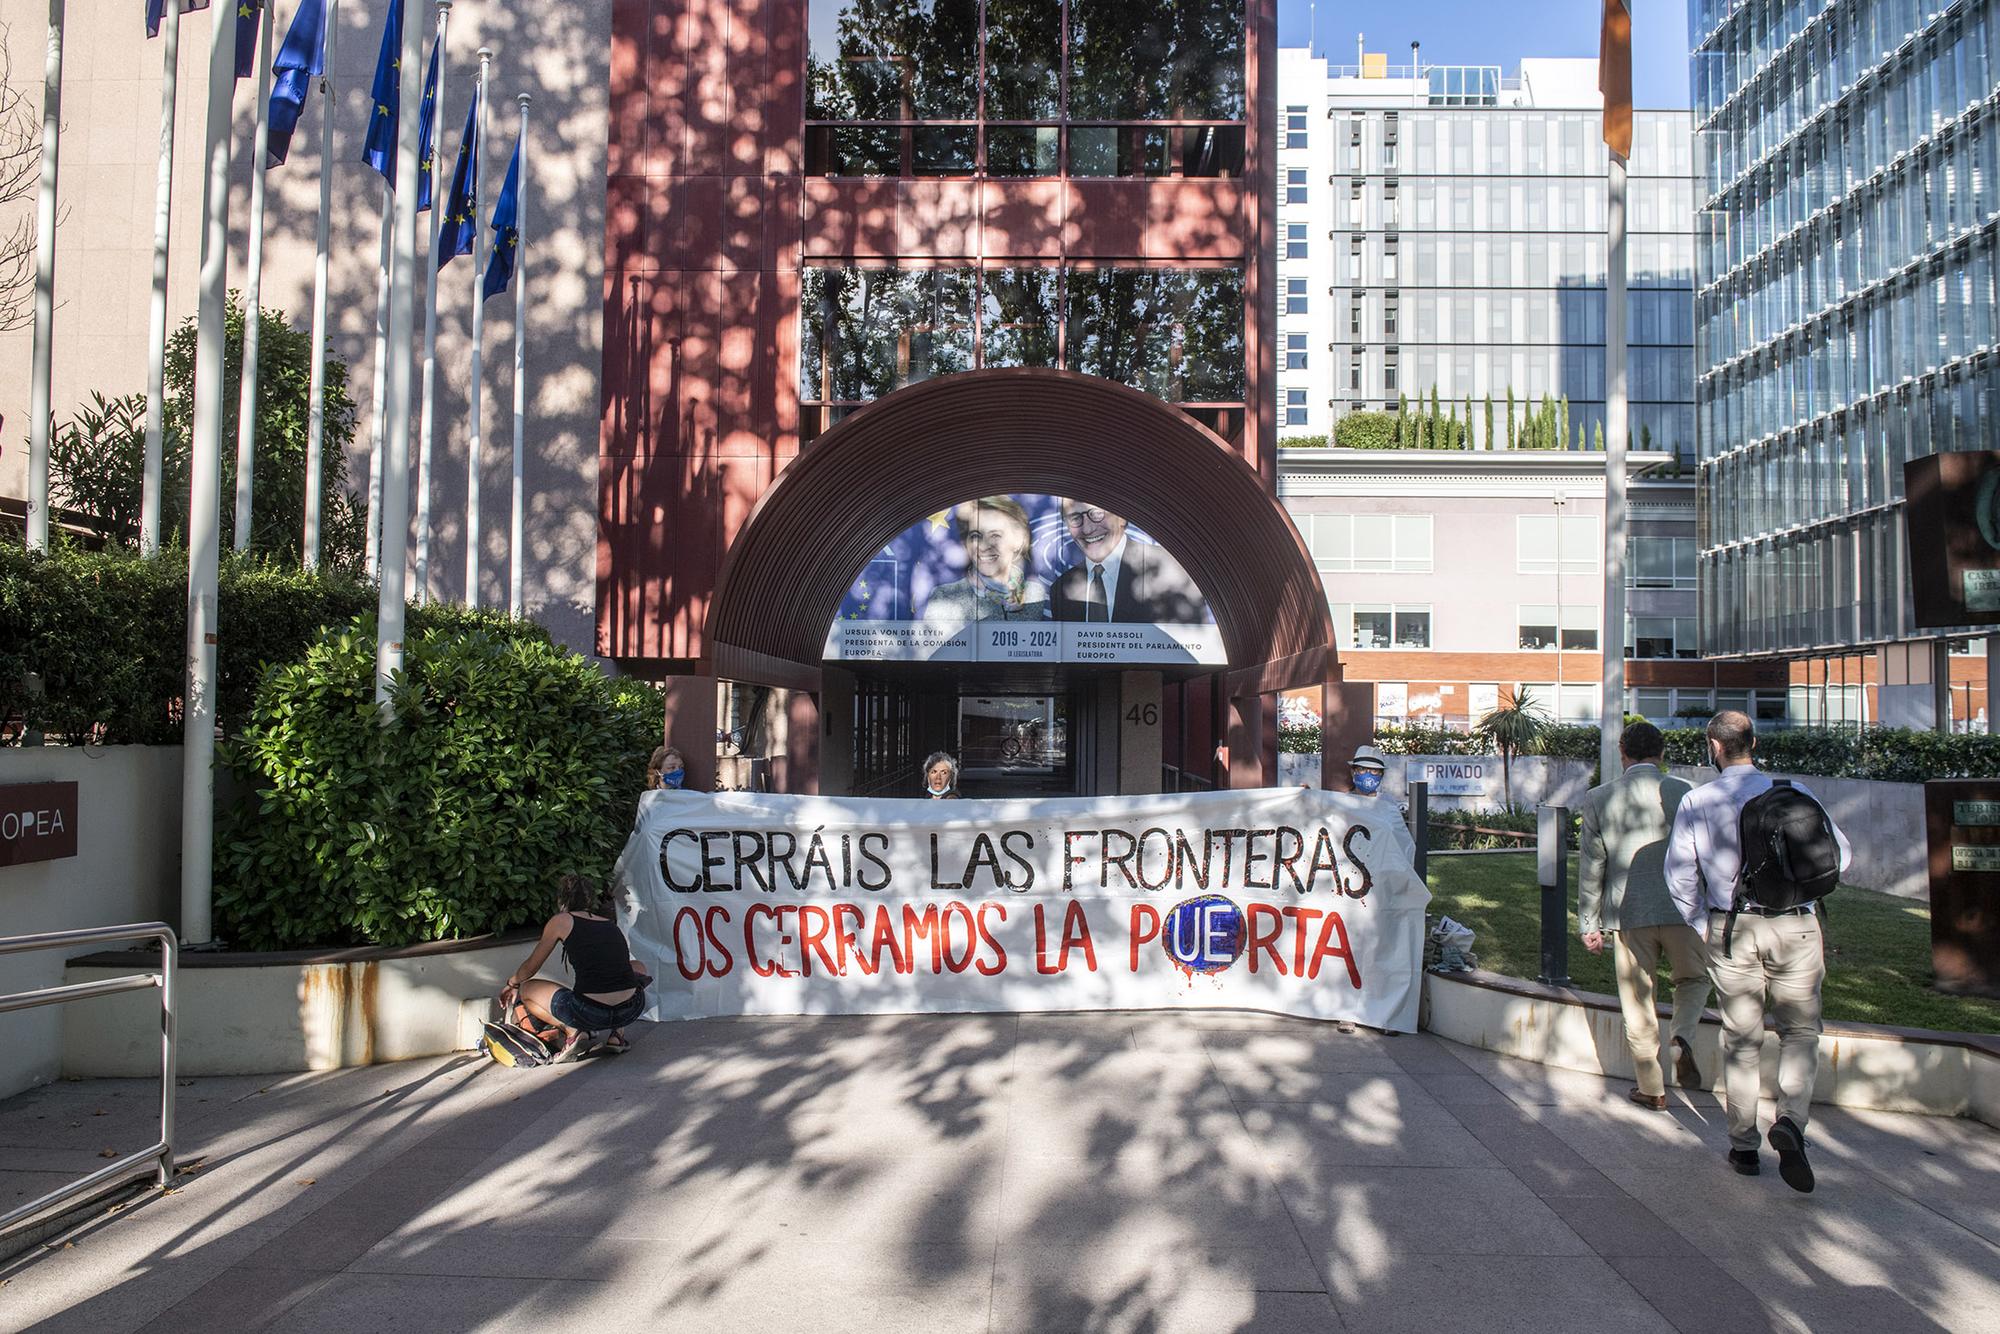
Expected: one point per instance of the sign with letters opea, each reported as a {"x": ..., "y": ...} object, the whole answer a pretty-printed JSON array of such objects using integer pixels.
[
  {"x": 37, "y": 822},
  {"x": 1286, "y": 900},
  {"x": 1454, "y": 777}
]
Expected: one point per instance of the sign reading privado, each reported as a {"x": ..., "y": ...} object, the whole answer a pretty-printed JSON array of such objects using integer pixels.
[{"x": 1286, "y": 900}]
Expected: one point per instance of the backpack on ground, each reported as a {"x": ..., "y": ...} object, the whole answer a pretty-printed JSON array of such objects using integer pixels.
[
  {"x": 514, "y": 1046},
  {"x": 1790, "y": 855}
]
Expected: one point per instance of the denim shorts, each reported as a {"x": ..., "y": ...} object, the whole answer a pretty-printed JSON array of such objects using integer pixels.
[{"x": 575, "y": 1011}]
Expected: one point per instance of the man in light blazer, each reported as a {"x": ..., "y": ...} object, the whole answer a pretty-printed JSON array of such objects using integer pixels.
[{"x": 1623, "y": 894}]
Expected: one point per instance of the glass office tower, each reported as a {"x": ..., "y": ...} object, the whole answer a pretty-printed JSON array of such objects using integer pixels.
[{"x": 1848, "y": 163}]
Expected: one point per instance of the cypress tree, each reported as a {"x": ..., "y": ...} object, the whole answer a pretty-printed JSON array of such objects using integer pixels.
[
  {"x": 1510, "y": 416},
  {"x": 1565, "y": 422},
  {"x": 1402, "y": 421},
  {"x": 1597, "y": 437},
  {"x": 1489, "y": 420}
]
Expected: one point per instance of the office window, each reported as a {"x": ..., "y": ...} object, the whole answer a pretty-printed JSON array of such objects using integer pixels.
[
  {"x": 1354, "y": 204},
  {"x": 1354, "y": 374},
  {"x": 1295, "y": 296},
  {"x": 1175, "y": 333},
  {"x": 1354, "y": 263},
  {"x": 1389, "y": 310},
  {"x": 1295, "y": 185},
  {"x": 1392, "y": 207},
  {"x": 1295, "y": 407},
  {"x": 1390, "y": 372},
  {"x": 1295, "y": 240},
  {"x": 1535, "y": 538},
  {"x": 1389, "y": 258},
  {"x": 1383, "y": 625},
  {"x": 1537, "y": 627},
  {"x": 1660, "y": 637},
  {"x": 1344, "y": 543},
  {"x": 1295, "y": 351},
  {"x": 1661, "y": 562},
  {"x": 1295, "y": 129}
]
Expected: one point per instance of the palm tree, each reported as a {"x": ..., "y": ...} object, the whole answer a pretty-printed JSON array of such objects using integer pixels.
[{"x": 1515, "y": 728}]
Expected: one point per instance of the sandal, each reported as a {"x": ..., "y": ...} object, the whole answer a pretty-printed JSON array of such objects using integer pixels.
[{"x": 616, "y": 1044}]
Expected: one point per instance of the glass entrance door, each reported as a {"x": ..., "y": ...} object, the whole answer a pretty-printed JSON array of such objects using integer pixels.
[{"x": 1016, "y": 745}]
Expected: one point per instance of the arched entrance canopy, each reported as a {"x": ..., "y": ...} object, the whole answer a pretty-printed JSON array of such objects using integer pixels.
[{"x": 935, "y": 444}]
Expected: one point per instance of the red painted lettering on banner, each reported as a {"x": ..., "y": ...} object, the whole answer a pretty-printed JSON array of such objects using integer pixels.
[
  {"x": 917, "y": 926},
  {"x": 845, "y": 939},
  {"x": 968, "y": 933},
  {"x": 991, "y": 941},
  {"x": 1304, "y": 918},
  {"x": 1324, "y": 949},
  {"x": 690, "y": 917},
  {"x": 721, "y": 961},
  {"x": 886, "y": 938},
  {"x": 814, "y": 923},
  {"x": 1145, "y": 928},
  {"x": 1264, "y": 924}
]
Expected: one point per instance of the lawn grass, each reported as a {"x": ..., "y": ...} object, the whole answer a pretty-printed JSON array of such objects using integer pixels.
[{"x": 1878, "y": 946}]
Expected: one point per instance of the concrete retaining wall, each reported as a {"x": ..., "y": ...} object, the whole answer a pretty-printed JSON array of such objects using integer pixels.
[
  {"x": 1861, "y": 1065},
  {"x": 289, "y": 1012},
  {"x": 1884, "y": 824},
  {"x": 127, "y": 869}
]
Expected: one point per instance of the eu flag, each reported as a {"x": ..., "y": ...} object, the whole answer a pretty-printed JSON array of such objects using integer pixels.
[
  {"x": 300, "y": 60},
  {"x": 427, "y": 133},
  {"x": 507, "y": 231},
  {"x": 461, "y": 220},
  {"x": 379, "y": 151},
  {"x": 246, "y": 37}
]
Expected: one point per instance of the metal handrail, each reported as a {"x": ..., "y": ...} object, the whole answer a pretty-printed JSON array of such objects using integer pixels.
[{"x": 160, "y": 1157}]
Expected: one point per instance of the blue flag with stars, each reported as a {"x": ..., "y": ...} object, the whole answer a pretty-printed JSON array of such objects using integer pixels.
[
  {"x": 301, "y": 59},
  {"x": 379, "y": 151},
  {"x": 461, "y": 218},
  {"x": 246, "y": 37},
  {"x": 427, "y": 133},
  {"x": 506, "y": 231}
]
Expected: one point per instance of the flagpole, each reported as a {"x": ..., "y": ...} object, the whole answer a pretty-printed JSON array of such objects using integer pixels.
[
  {"x": 427, "y": 412},
  {"x": 1616, "y": 428},
  {"x": 316, "y": 394},
  {"x": 396, "y": 433},
  {"x": 378, "y": 407},
  {"x": 156, "y": 325},
  {"x": 477, "y": 392},
  {"x": 198, "y": 714},
  {"x": 1614, "y": 81},
  {"x": 253, "y": 285},
  {"x": 39, "y": 395},
  {"x": 514, "y": 532}
]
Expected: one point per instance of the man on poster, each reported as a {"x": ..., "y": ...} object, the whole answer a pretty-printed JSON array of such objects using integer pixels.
[{"x": 1118, "y": 579}]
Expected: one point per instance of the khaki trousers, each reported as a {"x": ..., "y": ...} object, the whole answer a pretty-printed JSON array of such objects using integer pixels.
[
  {"x": 1636, "y": 952},
  {"x": 1785, "y": 956}
]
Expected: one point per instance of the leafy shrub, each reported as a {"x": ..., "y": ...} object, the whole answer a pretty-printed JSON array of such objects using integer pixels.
[
  {"x": 1366, "y": 430},
  {"x": 508, "y": 762},
  {"x": 1300, "y": 740},
  {"x": 1886, "y": 754},
  {"x": 101, "y": 634},
  {"x": 1302, "y": 442}
]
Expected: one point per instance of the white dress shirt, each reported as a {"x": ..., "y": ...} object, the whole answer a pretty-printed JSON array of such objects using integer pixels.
[{"x": 1705, "y": 852}]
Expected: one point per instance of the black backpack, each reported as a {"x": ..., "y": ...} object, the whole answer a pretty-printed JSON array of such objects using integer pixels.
[{"x": 1790, "y": 855}]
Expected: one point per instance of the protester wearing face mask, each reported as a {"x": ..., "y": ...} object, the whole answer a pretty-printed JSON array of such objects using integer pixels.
[
  {"x": 941, "y": 777},
  {"x": 665, "y": 769},
  {"x": 1369, "y": 767}
]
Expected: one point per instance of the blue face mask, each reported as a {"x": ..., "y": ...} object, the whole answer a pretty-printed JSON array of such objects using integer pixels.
[
  {"x": 1367, "y": 781},
  {"x": 672, "y": 777}
]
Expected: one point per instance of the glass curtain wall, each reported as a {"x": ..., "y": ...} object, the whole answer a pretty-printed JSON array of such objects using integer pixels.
[
  {"x": 1175, "y": 333},
  {"x": 1848, "y": 155},
  {"x": 1025, "y": 88}
]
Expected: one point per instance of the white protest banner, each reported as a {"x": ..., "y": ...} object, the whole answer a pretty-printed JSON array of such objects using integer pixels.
[{"x": 1287, "y": 900}]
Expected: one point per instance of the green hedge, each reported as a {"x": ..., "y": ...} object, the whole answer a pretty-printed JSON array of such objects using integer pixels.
[
  {"x": 1887, "y": 754},
  {"x": 1366, "y": 430},
  {"x": 92, "y": 642},
  {"x": 508, "y": 762}
]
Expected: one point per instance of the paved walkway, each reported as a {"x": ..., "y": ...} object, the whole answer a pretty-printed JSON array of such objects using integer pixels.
[{"x": 1123, "y": 1174}]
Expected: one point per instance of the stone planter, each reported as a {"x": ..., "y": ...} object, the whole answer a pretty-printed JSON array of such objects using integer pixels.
[{"x": 249, "y": 1013}]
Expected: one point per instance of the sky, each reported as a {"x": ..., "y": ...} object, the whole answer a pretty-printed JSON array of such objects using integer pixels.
[{"x": 1499, "y": 32}]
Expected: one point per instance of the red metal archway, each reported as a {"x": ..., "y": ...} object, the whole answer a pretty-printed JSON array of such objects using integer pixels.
[{"x": 932, "y": 445}]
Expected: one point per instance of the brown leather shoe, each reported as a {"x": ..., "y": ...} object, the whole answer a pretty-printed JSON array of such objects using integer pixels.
[
  {"x": 1686, "y": 1073},
  {"x": 1656, "y": 1101}
]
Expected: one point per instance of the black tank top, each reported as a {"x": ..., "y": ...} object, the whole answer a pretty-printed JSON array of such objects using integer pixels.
[{"x": 597, "y": 953}]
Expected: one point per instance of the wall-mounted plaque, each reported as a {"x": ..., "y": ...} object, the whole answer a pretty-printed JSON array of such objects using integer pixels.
[{"x": 37, "y": 822}]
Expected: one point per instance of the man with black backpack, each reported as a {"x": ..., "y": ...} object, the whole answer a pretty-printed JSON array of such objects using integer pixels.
[{"x": 1748, "y": 860}]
